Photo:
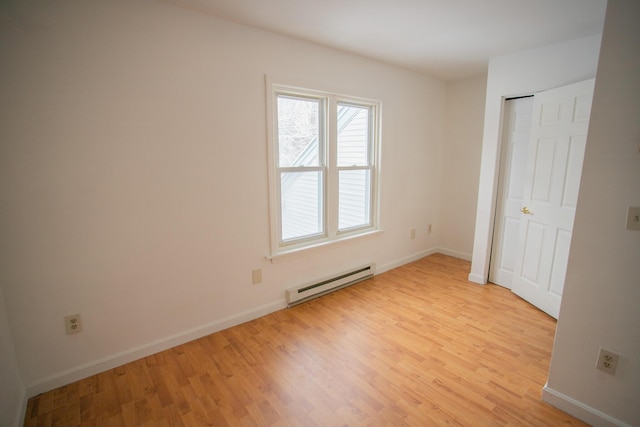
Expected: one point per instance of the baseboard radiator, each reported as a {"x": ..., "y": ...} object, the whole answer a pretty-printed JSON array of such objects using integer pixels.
[{"x": 309, "y": 291}]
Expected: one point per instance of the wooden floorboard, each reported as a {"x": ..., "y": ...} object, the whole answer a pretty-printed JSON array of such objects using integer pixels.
[{"x": 416, "y": 346}]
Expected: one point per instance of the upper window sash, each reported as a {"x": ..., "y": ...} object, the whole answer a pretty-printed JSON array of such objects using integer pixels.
[{"x": 300, "y": 132}]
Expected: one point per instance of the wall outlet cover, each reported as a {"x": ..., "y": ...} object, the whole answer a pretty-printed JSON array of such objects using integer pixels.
[
  {"x": 607, "y": 361},
  {"x": 633, "y": 218},
  {"x": 256, "y": 276},
  {"x": 72, "y": 324}
]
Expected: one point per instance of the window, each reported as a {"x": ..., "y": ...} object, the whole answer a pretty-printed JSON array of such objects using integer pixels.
[{"x": 323, "y": 167}]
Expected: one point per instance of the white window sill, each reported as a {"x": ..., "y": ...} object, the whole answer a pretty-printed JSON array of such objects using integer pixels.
[{"x": 287, "y": 254}]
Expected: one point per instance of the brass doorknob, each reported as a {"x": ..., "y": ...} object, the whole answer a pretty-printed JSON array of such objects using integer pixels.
[{"x": 526, "y": 211}]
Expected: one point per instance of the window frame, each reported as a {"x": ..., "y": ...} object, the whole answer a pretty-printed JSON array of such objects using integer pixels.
[{"x": 331, "y": 233}]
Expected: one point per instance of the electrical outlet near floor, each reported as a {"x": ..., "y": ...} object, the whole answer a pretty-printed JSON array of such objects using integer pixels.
[
  {"x": 413, "y": 233},
  {"x": 256, "y": 276},
  {"x": 607, "y": 361},
  {"x": 72, "y": 324},
  {"x": 633, "y": 218}
]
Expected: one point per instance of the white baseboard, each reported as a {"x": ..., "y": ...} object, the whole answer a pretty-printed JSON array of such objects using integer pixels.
[
  {"x": 386, "y": 267},
  {"x": 455, "y": 254},
  {"x": 95, "y": 367},
  {"x": 119, "y": 359},
  {"x": 21, "y": 410},
  {"x": 475, "y": 278},
  {"x": 579, "y": 410},
  {"x": 422, "y": 254}
]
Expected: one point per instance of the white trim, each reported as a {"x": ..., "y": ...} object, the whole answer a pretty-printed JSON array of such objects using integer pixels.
[
  {"x": 390, "y": 266},
  {"x": 579, "y": 410},
  {"x": 21, "y": 410},
  {"x": 444, "y": 251},
  {"x": 456, "y": 254},
  {"x": 476, "y": 278},
  {"x": 274, "y": 223},
  {"x": 295, "y": 252},
  {"x": 420, "y": 255},
  {"x": 119, "y": 359}
]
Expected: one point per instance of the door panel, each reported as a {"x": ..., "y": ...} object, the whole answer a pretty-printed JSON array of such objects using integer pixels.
[
  {"x": 533, "y": 244},
  {"x": 519, "y": 160},
  {"x": 574, "y": 171},
  {"x": 582, "y": 109},
  {"x": 542, "y": 169},
  {"x": 509, "y": 243},
  {"x": 559, "y": 270},
  {"x": 552, "y": 180}
]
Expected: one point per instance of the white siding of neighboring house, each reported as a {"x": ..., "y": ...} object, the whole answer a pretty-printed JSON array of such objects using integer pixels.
[
  {"x": 305, "y": 217},
  {"x": 354, "y": 192}
]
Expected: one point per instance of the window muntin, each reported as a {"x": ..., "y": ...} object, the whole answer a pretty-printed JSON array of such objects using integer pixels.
[{"x": 323, "y": 166}]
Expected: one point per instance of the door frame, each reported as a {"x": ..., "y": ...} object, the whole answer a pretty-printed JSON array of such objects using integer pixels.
[
  {"x": 504, "y": 168},
  {"x": 510, "y": 76},
  {"x": 490, "y": 170}
]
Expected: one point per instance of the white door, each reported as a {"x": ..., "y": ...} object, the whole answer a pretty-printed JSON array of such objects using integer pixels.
[
  {"x": 552, "y": 180},
  {"x": 513, "y": 162}
]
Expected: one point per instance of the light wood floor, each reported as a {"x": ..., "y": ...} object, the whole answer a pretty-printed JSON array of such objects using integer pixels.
[{"x": 416, "y": 346}]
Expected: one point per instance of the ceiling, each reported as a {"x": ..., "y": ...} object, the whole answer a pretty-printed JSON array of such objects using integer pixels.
[{"x": 448, "y": 39}]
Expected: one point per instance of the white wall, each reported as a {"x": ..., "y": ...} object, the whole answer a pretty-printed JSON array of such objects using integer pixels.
[
  {"x": 12, "y": 391},
  {"x": 133, "y": 177},
  {"x": 461, "y": 170},
  {"x": 602, "y": 288},
  {"x": 521, "y": 73}
]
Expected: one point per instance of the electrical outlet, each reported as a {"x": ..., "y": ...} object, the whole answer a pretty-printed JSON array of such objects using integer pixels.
[
  {"x": 607, "y": 361},
  {"x": 429, "y": 229},
  {"x": 633, "y": 218},
  {"x": 256, "y": 276},
  {"x": 73, "y": 324},
  {"x": 413, "y": 233}
]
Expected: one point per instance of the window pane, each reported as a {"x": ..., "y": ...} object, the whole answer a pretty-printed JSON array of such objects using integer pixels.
[
  {"x": 298, "y": 131},
  {"x": 353, "y": 135},
  {"x": 354, "y": 208},
  {"x": 302, "y": 204}
]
